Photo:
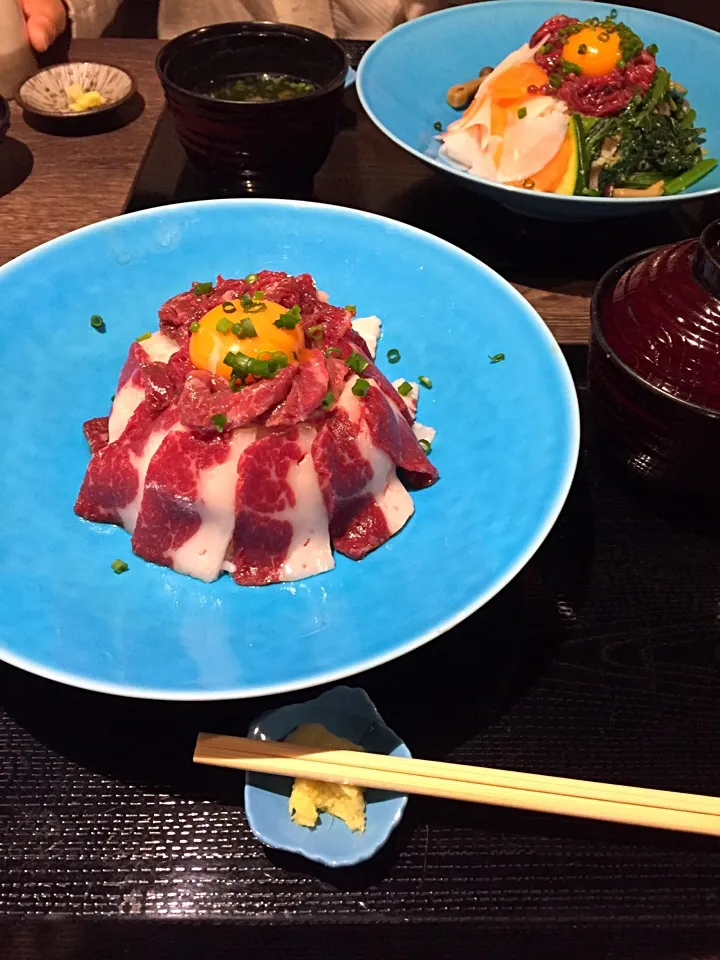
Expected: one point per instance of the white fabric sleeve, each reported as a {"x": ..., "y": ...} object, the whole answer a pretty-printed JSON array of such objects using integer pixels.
[{"x": 88, "y": 18}]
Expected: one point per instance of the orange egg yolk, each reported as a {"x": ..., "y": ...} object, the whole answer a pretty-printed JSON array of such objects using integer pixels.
[
  {"x": 513, "y": 83},
  {"x": 209, "y": 345},
  {"x": 595, "y": 51}
]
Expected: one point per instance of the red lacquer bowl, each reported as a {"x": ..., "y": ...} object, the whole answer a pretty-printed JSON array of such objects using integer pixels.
[{"x": 654, "y": 363}]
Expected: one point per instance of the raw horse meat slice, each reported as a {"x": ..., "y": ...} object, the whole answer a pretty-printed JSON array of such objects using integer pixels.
[
  {"x": 132, "y": 383},
  {"x": 96, "y": 433},
  {"x": 365, "y": 500},
  {"x": 354, "y": 342},
  {"x": 112, "y": 489},
  {"x": 206, "y": 395},
  {"x": 391, "y": 433},
  {"x": 281, "y": 524},
  {"x": 187, "y": 514},
  {"x": 306, "y": 393}
]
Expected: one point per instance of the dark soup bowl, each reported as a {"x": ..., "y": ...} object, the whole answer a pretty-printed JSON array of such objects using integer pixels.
[
  {"x": 255, "y": 104},
  {"x": 654, "y": 364}
]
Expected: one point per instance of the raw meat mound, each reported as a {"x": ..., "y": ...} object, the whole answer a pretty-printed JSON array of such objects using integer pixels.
[{"x": 260, "y": 478}]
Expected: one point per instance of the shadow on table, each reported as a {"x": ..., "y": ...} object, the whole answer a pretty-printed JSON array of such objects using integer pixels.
[{"x": 16, "y": 163}]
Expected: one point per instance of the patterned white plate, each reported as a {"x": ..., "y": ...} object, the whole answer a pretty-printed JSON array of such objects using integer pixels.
[{"x": 45, "y": 93}]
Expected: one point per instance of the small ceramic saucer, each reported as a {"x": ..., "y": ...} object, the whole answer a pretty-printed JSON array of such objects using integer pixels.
[{"x": 45, "y": 93}]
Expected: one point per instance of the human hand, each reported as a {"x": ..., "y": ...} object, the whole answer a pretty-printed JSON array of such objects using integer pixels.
[{"x": 46, "y": 20}]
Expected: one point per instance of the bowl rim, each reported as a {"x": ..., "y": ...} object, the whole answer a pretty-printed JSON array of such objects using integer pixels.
[
  {"x": 93, "y": 111},
  {"x": 251, "y": 27},
  {"x": 597, "y": 337},
  {"x": 601, "y": 202},
  {"x": 4, "y": 116}
]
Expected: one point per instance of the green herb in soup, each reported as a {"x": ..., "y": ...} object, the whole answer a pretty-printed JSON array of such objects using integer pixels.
[{"x": 259, "y": 87}]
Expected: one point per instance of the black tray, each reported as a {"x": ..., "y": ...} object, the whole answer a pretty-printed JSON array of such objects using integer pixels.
[{"x": 599, "y": 661}]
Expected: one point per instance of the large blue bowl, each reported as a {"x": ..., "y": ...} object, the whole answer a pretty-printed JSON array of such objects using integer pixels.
[
  {"x": 506, "y": 450},
  {"x": 403, "y": 79}
]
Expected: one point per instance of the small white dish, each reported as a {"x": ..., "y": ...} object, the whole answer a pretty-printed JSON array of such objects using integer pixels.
[{"x": 45, "y": 93}]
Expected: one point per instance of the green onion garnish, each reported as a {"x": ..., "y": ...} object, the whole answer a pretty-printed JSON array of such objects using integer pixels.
[
  {"x": 258, "y": 296},
  {"x": 360, "y": 387},
  {"x": 119, "y": 566},
  {"x": 622, "y": 65},
  {"x": 251, "y": 278},
  {"x": 426, "y": 445},
  {"x": 522, "y": 113},
  {"x": 333, "y": 352},
  {"x": 219, "y": 419},
  {"x": 425, "y": 382},
  {"x": 351, "y": 308},
  {"x": 282, "y": 359},
  {"x": 497, "y": 358},
  {"x": 223, "y": 325},
  {"x": 603, "y": 37},
  {"x": 653, "y": 49},
  {"x": 246, "y": 301},
  {"x": 328, "y": 399},
  {"x": 404, "y": 389},
  {"x": 143, "y": 336},
  {"x": 289, "y": 320},
  {"x": 229, "y": 307},
  {"x": 582, "y": 49},
  {"x": 437, "y": 126},
  {"x": 199, "y": 288},
  {"x": 546, "y": 48},
  {"x": 613, "y": 14},
  {"x": 315, "y": 332},
  {"x": 555, "y": 80},
  {"x": 357, "y": 363},
  {"x": 97, "y": 322},
  {"x": 393, "y": 356},
  {"x": 247, "y": 329},
  {"x": 112, "y": 398},
  {"x": 568, "y": 67},
  {"x": 194, "y": 327}
]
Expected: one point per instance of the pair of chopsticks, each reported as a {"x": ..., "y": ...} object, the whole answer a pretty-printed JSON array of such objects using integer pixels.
[{"x": 454, "y": 781}]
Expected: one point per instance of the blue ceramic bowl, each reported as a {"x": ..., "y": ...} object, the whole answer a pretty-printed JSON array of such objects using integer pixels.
[
  {"x": 347, "y": 712},
  {"x": 506, "y": 450},
  {"x": 403, "y": 79}
]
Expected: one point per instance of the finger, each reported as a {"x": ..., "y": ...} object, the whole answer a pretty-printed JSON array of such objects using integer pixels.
[{"x": 41, "y": 33}]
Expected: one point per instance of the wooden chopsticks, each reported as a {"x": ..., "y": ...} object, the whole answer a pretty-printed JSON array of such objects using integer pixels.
[{"x": 661, "y": 809}]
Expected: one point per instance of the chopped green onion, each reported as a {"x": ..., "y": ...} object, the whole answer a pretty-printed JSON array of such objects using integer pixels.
[
  {"x": 258, "y": 296},
  {"x": 239, "y": 363},
  {"x": 112, "y": 398},
  {"x": 603, "y": 37},
  {"x": 393, "y": 356},
  {"x": 351, "y": 308},
  {"x": 229, "y": 307},
  {"x": 582, "y": 49},
  {"x": 199, "y": 288},
  {"x": 328, "y": 399},
  {"x": 223, "y": 325},
  {"x": 425, "y": 382},
  {"x": 251, "y": 278},
  {"x": 194, "y": 327},
  {"x": 237, "y": 330},
  {"x": 437, "y": 126},
  {"x": 119, "y": 566},
  {"x": 404, "y": 389},
  {"x": 289, "y": 320},
  {"x": 360, "y": 387},
  {"x": 357, "y": 362},
  {"x": 257, "y": 308},
  {"x": 613, "y": 14},
  {"x": 247, "y": 329},
  {"x": 333, "y": 352},
  {"x": 554, "y": 80},
  {"x": 622, "y": 65},
  {"x": 246, "y": 301},
  {"x": 282, "y": 359},
  {"x": 143, "y": 336},
  {"x": 219, "y": 419},
  {"x": 546, "y": 48},
  {"x": 522, "y": 113},
  {"x": 97, "y": 322},
  {"x": 426, "y": 446},
  {"x": 496, "y": 358},
  {"x": 568, "y": 67},
  {"x": 653, "y": 49},
  {"x": 315, "y": 332}
]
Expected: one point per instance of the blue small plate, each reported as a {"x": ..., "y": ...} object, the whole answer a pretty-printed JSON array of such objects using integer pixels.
[
  {"x": 347, "y": 712},
  {"x": 404, "y": 77}
]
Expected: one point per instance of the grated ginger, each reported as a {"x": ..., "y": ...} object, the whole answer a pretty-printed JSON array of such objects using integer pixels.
[
  {"x": 79, "y": 101},
  {"x": 309, "y": 798}
]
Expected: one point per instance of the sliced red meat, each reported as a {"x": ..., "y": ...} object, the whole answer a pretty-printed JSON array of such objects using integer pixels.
[
  {"x": 281, "y": 523},
  {"x": 112, "y": 488},
  {"x": 306, "y": 393},
  {"x": 366, "y": 502},
  {"x": 392, "y": 434},
  {"x": 182, "y": 309},
  {"x": 338, "y": 372},
  {"x": 187, "y": 513},
  {"x": 96, "y": 433},
  {"x": 353, "y": 342},
  {"x": 206, "y": 395}
]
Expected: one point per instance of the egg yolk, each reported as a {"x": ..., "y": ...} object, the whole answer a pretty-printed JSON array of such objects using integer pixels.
[
  {"x": 595, "y": 51},
  {"x": 209, "y": 345},
  {"x": 513, "y": 83}
]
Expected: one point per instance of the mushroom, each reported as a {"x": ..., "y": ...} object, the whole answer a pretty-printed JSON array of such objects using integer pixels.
[
  {"x": 461, "y": 94},
  {"x": 656, "y": 190}
]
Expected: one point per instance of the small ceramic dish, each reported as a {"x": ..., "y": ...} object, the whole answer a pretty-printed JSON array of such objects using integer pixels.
[
  {"x": 45, "y": 93},
  {"x": 347, "y": 712}
]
